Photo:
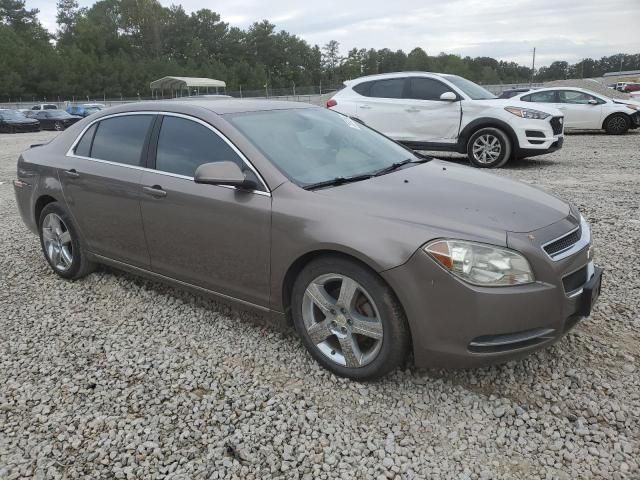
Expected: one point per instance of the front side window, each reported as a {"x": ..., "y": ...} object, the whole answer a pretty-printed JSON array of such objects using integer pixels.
[
  {"x": 121, "y": 139},
  {"x": 541, "y": 97},
  {"x": 184, "y": 145},
  {"x": 426, "y": 89},
  {"x": 574, "y": 97},
  {"x": 472, "y": 90},
  {"x": 391, "y": 88},
  {"x": 310, "y": 145}
]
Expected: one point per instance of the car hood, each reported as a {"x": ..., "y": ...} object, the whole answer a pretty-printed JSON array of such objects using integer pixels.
[
  {"x": 453, "y": 198},
  {"x": 514, "y": 102},
  {"x": 21, "y": 121}
]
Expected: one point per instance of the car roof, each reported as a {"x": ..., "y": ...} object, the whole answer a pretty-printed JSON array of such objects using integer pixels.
[
  {"x": 218, "y": 106},
  {"x": 382, "y": 76}
]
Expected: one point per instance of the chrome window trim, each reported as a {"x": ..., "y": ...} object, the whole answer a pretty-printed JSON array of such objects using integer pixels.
[
  {"x": 585, "y": 239},
  {"x": 71, "y": 152}
]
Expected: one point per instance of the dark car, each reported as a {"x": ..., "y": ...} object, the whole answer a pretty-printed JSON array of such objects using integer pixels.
[
  {"x": 12, "y": 121},
  {"x": 55, "y": 119},
  {"x": 512, "y": 92},
  {"x": 82, "y": 110},
  {"x": 370, "y": 250}
]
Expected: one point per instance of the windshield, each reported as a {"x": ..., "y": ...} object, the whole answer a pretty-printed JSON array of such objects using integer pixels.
[
  {"x": 472, "y": 90},
  {"x": 58, "y": 114},
  {"x": 9, "y": 115},
  {"x": 314, "y": 145}
]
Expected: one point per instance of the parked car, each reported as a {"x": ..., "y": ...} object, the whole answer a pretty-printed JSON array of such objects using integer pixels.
[
  {"x": 512, "y": 92},
  {"x": 82, "y": 110},
  {"x": 55, "y": 119},
  {"x": 12, "y": 121},
  {"x": 584, "y": 109},
  {"x": 372, "y": 251},
  {"x": 432, "y": 111},
  {"x": 632, "y": 87},
  {"x": 45, "y": 106}
]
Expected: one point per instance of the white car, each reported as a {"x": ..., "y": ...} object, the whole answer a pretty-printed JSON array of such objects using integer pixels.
[
  {"x": 45, "y": 106},
  {"x": 433, "y": 111},
  {"x": 587, "y": 110}
]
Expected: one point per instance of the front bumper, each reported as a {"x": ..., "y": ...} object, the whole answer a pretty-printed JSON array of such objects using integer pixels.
[
  {"x": 458, "y": 325},
  {"x": 538, "y": 137},
  {"x": 635, "y": 120}
]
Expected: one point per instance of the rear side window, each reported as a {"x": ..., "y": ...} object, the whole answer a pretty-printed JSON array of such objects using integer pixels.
[
  {"x": 184, "y": 145},
  {"x": 391, "y": 88},
  {"x": 426, "y": 89},
  {"x": 121, "y": 139},
  {"x": 363, "y": 88},
  {"x": 541, "y": 97},
  {"x": 83, "y": 148}
]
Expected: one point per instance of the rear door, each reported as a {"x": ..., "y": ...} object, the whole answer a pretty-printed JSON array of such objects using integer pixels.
[
  {"x": 427, "y": 118},
  {"x": 101, "y": 183},
  {"x": 578, "y": 112},
  {"x": 210, "y": 236},
  {"x": 383, "y": 108}
]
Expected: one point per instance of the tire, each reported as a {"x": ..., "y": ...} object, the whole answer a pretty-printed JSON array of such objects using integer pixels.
[
  {"x": 362, "y": 338},
  {"x": 58, "y": 126},
  {"x": 489, "y": 148},
  {"x": 617, "y": 124},
  {"x": 61, "y": 243}
]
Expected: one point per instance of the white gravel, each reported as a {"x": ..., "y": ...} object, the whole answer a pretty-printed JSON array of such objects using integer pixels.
[{"x": 118, "y": 377}]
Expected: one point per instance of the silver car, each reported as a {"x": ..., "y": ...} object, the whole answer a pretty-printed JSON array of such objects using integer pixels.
[{"x": 371, "y": 251}]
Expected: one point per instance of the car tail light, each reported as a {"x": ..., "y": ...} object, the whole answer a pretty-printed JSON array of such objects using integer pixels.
[{"x": 331, "y": 103}]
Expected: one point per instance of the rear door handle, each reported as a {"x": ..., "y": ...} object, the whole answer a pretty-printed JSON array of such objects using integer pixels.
[
  {"x": 155, "y": 191},
  {"x": 412, "y": 110},
  {"x": 71, "y": 173},
  {"x": 365, "y": 107}
]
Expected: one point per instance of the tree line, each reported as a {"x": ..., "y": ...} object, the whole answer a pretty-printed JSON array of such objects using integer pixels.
[{"x": 117, "y": 47}]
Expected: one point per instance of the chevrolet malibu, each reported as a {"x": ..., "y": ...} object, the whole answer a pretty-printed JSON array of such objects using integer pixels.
[{"x": 372, "y": 252}]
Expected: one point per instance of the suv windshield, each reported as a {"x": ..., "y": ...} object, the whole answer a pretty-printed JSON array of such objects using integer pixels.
[
  {"x": 472, "y": 90},
  {"x": 314, "y": 145}
]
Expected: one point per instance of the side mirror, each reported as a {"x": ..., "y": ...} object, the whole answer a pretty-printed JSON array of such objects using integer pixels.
[
  {"x": 222, "y": 173},
  {"x": 449, "y": 97},
  {"x": 593, "y": 102}
]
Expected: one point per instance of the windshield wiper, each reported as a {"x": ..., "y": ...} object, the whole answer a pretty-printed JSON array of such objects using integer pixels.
[
  {"x": 337, "y": 181},
  {"x": 397, "y": 165}
]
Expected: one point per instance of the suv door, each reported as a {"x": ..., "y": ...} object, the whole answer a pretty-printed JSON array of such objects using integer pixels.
[
  {"x": 214, "y": 237},
  {"x": 382, "y": 106},
  {"x": 429, "y": 119},
  {"x": 578, "y": 111},
  {"x": 101, "y": 182}
]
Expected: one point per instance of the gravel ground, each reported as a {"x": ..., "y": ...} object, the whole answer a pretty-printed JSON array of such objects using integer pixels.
[{"x": 113, "y": 376}]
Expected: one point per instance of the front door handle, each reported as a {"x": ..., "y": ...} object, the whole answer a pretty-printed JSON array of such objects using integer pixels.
[
  {"x": 365, "y": 107},
  {"x": 155, "y": 191},
  {"x": 412, "y": 110},
  {"x": 71, "y": 173}
]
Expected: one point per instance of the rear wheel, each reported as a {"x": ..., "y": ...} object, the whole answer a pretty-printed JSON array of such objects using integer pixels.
[
  {"x": 489, "y": 148},
  {"x": 61, "y": 243},
  {"x": 617, "y": 124},
  {"x": 349, "y": 319}
]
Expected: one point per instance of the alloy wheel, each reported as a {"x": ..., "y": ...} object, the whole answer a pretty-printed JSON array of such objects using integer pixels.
[
  {"x": 342, "y": 320},
  {"x": 58, "y": 126},
  {"x": 487, "y": 148},
  {"x": 57, "y": 242},
  {"x": 617, "y": 124}
]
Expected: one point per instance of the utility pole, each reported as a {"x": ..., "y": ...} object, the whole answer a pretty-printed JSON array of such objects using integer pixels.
[
  {"x": 533, "y": 67},
  {"x": 621, "y": 58}
]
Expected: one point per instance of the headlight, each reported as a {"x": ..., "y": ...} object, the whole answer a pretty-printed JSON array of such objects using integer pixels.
[
  {"x": 527, "y": 113},
  {"x": 633, "y": 107},
  {"x": 481, "y": 264}
]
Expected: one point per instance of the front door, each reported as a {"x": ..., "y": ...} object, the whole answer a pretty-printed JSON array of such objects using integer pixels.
[
  {"x": 578, "y": 112},
  {"x": 210, "y": 236},
  {"x": 101, "y": 184}
]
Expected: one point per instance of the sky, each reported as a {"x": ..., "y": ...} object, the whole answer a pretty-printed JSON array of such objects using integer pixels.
[{"x": 559, "y": 29}]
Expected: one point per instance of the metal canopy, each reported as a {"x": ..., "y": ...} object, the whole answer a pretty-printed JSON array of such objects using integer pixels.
[{"x": 190, "y": 84}]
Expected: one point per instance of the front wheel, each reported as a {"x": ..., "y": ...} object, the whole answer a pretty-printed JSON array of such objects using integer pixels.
[
  {"x": 617, "y": 124},
  {"x": 349, "y": 319},
  {"x": 58, "y": 126},
  {"x": 489, "y": 148}
]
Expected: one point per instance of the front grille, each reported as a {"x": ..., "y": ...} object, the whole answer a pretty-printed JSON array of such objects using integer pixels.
[
  {"x": 563, "y": 243},
  {"x": 575, "y": 280},
  {"x": 556, "y": 125}
]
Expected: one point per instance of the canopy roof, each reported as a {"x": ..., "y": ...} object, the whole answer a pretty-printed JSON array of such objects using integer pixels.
[{"x": 179, "y": 83}]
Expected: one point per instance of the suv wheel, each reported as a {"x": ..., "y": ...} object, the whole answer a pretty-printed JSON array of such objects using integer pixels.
[
  {"x": 61, "y": 243},
  {"x": 349, "y": 319},
  {"x": 617, "y": 124},
  {"x": 489, "y": 148}
]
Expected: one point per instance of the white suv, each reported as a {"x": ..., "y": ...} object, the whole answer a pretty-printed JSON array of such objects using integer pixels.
[
  {"x": 432, "y": 111},
  {"x": 587, "y": 110}
]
